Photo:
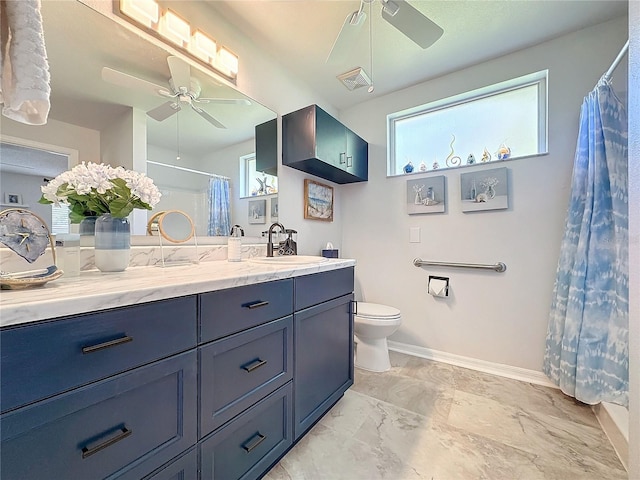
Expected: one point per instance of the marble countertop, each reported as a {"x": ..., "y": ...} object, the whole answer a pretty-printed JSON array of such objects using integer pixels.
[{"x": 94, "y": 290}]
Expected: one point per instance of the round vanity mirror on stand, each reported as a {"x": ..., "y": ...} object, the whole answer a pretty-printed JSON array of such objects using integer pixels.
[{"x": 174, "y": 227}]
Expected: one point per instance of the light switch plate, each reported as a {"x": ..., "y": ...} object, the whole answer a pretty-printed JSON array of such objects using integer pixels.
[{"x": 414, "y": 234}]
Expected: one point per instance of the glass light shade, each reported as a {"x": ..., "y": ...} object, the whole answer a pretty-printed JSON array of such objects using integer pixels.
[
  {"x": 145, "y": 12},
  {"x": 175, "y": 28},
  {"x": 227, "y": 62},
  {"x": 203, "y": 47}
]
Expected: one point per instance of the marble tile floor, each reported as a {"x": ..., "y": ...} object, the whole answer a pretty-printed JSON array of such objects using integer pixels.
[{"x": 429, "y": 420}]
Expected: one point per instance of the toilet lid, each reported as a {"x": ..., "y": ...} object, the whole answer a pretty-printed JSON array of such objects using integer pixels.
[{"x": 375, "y": 310}]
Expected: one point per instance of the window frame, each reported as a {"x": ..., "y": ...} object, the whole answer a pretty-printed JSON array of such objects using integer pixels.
[{"x": 540, "y": 78}]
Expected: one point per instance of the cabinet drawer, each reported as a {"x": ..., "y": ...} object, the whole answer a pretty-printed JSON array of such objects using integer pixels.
[
  {"x": 183, "y": 468},
  {"x": 229, "y": 311},
  {"x": 43, "y": 359},
  {"x": 237, "y": 371},
  {"x": 248, "y": 445},
  {"x": 320, "y": 287},
  {"x": 110, "y": 428}
]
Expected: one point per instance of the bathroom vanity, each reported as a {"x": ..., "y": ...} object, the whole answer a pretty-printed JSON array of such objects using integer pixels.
[{"x": 207, "y": 371}]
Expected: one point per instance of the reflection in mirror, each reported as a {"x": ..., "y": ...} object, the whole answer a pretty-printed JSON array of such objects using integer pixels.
[
  {"x": 109, "y": 123},
  {"x": 174, "y": 226}
]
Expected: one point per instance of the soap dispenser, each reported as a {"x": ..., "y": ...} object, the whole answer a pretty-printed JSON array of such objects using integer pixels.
[{"x": 234, "y": 244}]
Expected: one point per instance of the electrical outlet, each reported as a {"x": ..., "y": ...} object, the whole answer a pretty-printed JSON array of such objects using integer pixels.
[{"x": 414, "y": 235}]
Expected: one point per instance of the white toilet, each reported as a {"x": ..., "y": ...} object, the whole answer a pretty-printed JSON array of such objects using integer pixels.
[{"x": 373, "y": 324}]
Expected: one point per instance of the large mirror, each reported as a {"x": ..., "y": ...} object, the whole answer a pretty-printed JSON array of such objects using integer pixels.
[{"x": 101, "y": 121}]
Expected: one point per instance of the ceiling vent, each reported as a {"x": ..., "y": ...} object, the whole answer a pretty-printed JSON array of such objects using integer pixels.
[{"x": 355, "y": 79}]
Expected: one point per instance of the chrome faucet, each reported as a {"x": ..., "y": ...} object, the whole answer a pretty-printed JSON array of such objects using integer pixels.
[{"x": 270, "y": 241}]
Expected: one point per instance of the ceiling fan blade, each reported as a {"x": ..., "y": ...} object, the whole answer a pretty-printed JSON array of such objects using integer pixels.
[
  {"x": 128, "y": 81},
  {"x": 347, "y": 36},
  {"x": 224, "y": 101},
  {"x": 180, "y": 73},
  {"x": 164, "y": 111},
  {"x": 208, "y": 117},
  {"x": 411, "y": 22}
]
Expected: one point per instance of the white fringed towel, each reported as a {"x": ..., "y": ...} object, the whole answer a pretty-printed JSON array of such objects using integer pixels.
[{"x": 24, "y": 69}]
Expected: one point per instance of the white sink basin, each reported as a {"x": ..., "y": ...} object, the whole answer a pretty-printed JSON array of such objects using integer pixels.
[{"x": 289, "y": 260}]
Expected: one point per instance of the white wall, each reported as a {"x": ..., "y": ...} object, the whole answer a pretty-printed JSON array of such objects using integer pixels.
[
  {"x": 29, "y": 187},
  {"x": 499, "y": 318},
  {"x": 634, "y": 240},
  {"x": 84, "y": 140}
]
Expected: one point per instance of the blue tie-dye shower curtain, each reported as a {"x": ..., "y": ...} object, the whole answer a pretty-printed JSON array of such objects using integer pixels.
[
  {"x": 587, "y": 347},
  {"x": 219, "y": 213}
]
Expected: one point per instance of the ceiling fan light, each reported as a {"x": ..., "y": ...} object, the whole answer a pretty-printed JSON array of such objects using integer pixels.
[
  {"x": 203, "y": 47},
  {"x": 355, "y": 79},
  {"x": 145, "y": 12},
  {"x": 175, "y": 29}
]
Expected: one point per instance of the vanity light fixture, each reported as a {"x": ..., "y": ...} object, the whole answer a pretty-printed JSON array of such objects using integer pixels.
[
  {"x": 203, "y": 47},
  {"x": 167, "y": 25},
  {"x": 175, "y": 29},
  {"x": 147, "y": 12}
]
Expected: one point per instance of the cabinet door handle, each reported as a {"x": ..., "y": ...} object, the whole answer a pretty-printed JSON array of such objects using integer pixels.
[
  {"x": 256, "y": 304},
  {"x": 349, "y": 161},
  {"x": 253, "y": 442},
  {"x": 253, "y": 364},
  {"x": 109, "y": 344},
  {"x": 124, "y": 433},
  {"x": 342, "y": 155}
]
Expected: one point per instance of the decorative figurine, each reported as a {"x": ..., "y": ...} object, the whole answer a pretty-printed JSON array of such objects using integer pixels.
[
  {"x": 435, "y": 165},
  {"x": 471, "y": 159},
  {"x": 418, "y": 190},
  {"x": 486, "y": 156},
  {"x": 408, "y": 168},
  {"x": 503, "y": 152},
  {"x": 453, "y": 160},
  {"x": 423, "y": 167}
]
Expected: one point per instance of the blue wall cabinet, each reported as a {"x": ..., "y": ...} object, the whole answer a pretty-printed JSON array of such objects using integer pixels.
[
  {"x": 315, "y": 142},
  {"x": 267, "y": 147}
]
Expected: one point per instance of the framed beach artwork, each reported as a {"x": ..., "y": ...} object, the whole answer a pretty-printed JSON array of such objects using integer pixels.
[
  {"x": 484, "y": 190},
  {"x": 12, "y": 199},
  {"x": 318, "y": 201},
  {"x": 257, "y": 211},
  {"x": 274, "y": 208},
  {"x": 426, "y": 195}
]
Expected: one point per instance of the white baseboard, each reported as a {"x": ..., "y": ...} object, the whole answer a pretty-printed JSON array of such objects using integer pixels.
[
  {"x": 508, "y": 371},
  {"x": 614, "y": 421}
]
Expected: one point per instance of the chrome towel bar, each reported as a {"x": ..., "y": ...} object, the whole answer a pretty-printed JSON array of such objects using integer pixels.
[{"x": 498, "y": 267}]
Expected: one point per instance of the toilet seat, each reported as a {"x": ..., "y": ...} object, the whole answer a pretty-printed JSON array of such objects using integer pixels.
[{"x": 374, "y": 313}]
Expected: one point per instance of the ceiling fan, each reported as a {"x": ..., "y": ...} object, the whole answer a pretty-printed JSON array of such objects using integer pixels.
[
  {"x": 406, "y": 18},
  {"x": 183, "y": 89}
]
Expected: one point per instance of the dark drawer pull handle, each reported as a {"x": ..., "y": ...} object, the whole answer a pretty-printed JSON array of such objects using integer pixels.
[
  {"x": 252, "y": 365},
  {"x": 124, "y": 433},
  {"x": 109, "y": 344},
  {"x": 253, "y": 442},
  {"x": 257, "y": 304}
]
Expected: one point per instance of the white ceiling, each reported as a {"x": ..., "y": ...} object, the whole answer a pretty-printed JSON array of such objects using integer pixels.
[{"x": 300, "y": 34}]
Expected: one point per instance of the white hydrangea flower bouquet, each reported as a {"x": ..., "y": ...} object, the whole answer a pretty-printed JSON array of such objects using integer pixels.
[{"x": 93, "y": 189}]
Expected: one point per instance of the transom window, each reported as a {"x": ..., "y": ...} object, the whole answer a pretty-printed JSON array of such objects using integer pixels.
[{"x": 502, "y": 121}]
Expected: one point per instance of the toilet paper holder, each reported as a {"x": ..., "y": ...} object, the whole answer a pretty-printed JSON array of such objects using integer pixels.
[{"x": 438, "y": 286}]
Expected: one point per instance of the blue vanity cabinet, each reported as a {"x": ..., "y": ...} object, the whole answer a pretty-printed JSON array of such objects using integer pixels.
[
  {"x": 246, "y": 447},
  {"x": 184, "y": 467},
  {"x": 239, "y": 370},
  {"x": 50, "y": 357},
  {"x": 122, "y": 427},
  {"x": 315, "y": 142},
  {"x": 323, "y": 344}
]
